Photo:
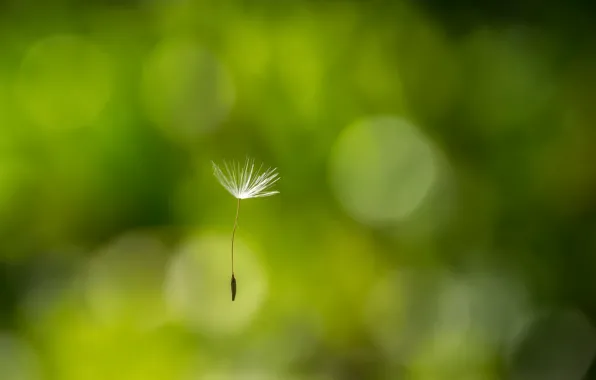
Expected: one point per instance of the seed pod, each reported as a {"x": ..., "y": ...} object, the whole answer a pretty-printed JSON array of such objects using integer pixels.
[{"x": 233, "y": 288}]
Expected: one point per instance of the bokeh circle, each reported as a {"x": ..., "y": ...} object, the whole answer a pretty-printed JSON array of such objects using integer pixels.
[
  {"x": 197, "y": 285},
  {"x": 64, "y": 81},
  {"x": 382, "y": 169},
  {"x": 186, "y": 90}
]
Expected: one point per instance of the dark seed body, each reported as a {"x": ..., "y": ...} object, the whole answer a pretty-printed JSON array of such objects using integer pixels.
[{"x": 233, "y": 288}]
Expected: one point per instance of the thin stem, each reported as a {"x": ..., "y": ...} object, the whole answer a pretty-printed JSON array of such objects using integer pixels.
[{"x": 234, "y": 233}]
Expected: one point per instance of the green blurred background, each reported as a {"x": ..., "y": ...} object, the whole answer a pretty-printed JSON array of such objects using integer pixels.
[{"x": 437, "y": 208}]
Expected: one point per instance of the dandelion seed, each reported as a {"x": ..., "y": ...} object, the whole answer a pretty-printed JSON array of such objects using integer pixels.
[{"x": 244, "y": 182}]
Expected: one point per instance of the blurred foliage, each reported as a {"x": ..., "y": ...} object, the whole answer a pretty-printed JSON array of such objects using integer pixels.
[{"x": 437, "y": 207}]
